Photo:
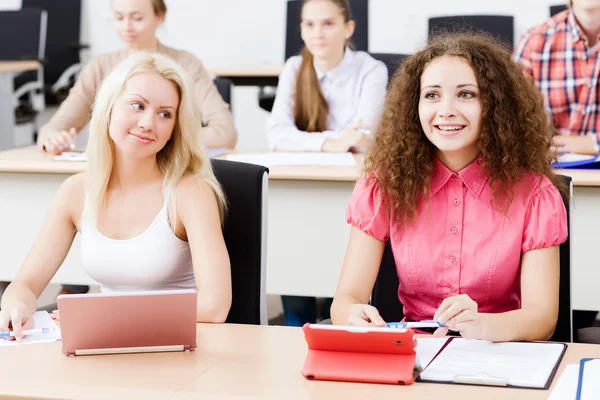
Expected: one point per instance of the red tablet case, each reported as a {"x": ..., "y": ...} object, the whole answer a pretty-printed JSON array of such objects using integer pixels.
[{"x": 354, "y": 354}]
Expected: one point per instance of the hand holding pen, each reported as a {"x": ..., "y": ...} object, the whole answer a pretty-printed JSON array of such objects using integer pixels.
[
  {"x": 15, "y": 320},
  {"x": 459, "y": 313},
  {"x": 37, "y": 331}
]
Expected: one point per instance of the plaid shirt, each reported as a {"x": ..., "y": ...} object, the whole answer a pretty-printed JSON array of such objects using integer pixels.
[{"x": 566, "y": 71}]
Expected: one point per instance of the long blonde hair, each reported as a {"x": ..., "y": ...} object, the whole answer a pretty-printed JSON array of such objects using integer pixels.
[{"x": 182, "y": 156}]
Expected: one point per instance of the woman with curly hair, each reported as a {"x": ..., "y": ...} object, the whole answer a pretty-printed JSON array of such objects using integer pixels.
[{"x": 459, "y": 181}]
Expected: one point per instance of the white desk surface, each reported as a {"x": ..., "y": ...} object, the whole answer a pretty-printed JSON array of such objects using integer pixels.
[{"x": 31, "y": 160}]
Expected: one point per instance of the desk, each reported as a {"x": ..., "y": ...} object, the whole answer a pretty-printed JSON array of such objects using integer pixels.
[
  {"x": 307, "y": 230},
  {"x": 7, "y": 112},
  {"x": 251, "y": 75},
  {"x": 231, "y": 361}
]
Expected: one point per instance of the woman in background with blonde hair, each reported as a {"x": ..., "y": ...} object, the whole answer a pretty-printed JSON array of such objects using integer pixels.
[
  {"x": 136, "y": 23},
  {"x": 149, "y": 207}
]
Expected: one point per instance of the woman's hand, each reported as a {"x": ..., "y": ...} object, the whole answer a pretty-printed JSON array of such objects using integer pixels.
[
  {"x": 58, "y": 142},
  {"x": 365, "y": 315},
  {"x": 16, "y": 319},
  {"x": 582, "y": 144},
  {"x": 459, "y": 313}
]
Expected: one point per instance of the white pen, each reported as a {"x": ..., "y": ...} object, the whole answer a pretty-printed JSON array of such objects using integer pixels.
[
  {"x": 27, "y": 332},
  {"x": 365, "y": 131}
]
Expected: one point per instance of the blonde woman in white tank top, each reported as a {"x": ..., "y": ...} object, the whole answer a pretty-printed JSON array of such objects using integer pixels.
[{"x": 149, "y": 208}]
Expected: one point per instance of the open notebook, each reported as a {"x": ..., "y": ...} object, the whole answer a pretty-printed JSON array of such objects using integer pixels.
[{"x": 478, "y": 362}]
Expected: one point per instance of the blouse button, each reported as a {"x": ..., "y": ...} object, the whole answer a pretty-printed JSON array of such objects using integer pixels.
[
  {"x": 454, "y": 230},
  {"x": 453, "y": 288},
  {"x": 452, "y": 258},
  {"x": 456, "y": 177},
  {"x": 456, "y": 202}
]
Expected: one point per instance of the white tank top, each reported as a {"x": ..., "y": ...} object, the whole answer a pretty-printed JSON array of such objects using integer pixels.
[{"x": 154, "y": 260}]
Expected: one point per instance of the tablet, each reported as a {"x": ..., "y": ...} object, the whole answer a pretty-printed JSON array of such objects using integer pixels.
[
  {"x": 132, "y": 322},
  {"x": 360, "y": 354}
]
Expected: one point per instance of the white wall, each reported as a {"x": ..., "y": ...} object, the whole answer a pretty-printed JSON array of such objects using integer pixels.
[{"x": 226, "y": 32}]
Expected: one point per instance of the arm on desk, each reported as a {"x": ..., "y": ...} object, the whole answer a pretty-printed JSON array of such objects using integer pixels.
[
  {"x": 45, "y": 256},
  {"x": 199, "y": 223},
  {"x": 359, "y": 272},
  {"x": 75, "y": 111},
  {"x": 535, "y": 320}
]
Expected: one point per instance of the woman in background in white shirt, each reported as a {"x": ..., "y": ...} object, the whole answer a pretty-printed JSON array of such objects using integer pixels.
[
  {"x": 329, "y": 97},
  {"x": 149, "y": 207}
]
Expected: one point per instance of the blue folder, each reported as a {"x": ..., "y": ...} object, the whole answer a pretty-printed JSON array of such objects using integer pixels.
[
  {"x": 590, "y": 163},
  {"x": 582, "y": 364}
]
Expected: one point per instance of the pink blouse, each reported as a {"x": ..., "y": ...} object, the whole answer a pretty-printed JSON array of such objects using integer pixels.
[{"x": 459, "y": 243}]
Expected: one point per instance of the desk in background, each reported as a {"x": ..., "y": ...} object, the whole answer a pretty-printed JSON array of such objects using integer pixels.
[
  {"x": 251, "y": 75},
  {"x": 307, "y": 230},
  {"x": 7, "y": 111},
  {"x": 231, "y": 361}
]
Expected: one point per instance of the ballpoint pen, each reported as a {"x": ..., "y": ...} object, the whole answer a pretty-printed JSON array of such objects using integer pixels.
[
  {"x": 416, "y": 324},
  {"x": 365, "y": 131},
  {"x": 27, "y": 332}
]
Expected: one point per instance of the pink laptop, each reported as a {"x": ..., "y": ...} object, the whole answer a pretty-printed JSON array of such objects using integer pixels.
[{"x": 134, "y": 322}]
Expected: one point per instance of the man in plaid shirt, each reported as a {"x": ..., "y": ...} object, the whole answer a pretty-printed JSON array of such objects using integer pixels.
[{"x": 563, "y": 57}]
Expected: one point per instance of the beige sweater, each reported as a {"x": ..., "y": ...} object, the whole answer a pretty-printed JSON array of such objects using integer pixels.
[{"x": 75, "y": 112}]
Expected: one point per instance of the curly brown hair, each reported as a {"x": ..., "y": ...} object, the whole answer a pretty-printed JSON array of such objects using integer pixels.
[{"x": 515, "y": 134}]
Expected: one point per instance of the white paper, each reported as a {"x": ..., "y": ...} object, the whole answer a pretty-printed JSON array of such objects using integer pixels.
[
  {"x": 41, "y": 319},
  {"x": 590, "y": 382},
  {"x": 427, "y": 348},
  {"x": 573, "y": 157},
  {"x": 515, "y": 364},
  {"x": 71, "y": 156},
  {"x": 566, "y": 386},
  {"x": 296, "y": 159}
]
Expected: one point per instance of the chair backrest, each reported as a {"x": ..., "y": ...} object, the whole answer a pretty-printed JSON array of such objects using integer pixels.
[
  {"x": 293, "y": 40},
  {"x": 557, "y": 9},
  {"x": 23, "y": 34},
  {"x": 564, "y": 326},
  {"x": 244, "y": 231},
  {"x": 391, "y": 61},
  {"x": 224, "y": 87},
  {"x": 385, "y": 292},
  {"x": 499, "y": 26},
  {"x": 63, "y": 36}
]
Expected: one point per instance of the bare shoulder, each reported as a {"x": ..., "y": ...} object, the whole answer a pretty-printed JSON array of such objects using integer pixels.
[
  {"x": 70, "y": 196},
  {"x": 194, "y": 189}
]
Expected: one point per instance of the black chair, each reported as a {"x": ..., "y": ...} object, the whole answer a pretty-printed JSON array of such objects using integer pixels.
[
  {"x": 391, "y": 61},
  {"x": 224, "y": 87},
  {"x": 385, "y": 292},
  {"x": 294, "y": 43},
  {"x": 499, "y": 26},
  {"x": 24, "y": 33},
  {"x": 245, "y": 233},
  {"x": 557, "y": 9},
  {"x": 62, "y": 46}
]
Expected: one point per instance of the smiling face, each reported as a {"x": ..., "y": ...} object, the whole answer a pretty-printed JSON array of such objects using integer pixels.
[
  {"x": 136, "y": 22},
  {"x": 143, "y": 117},
  {"x": 450, "y": 108},
  {"x": 324, "y": 29}
]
